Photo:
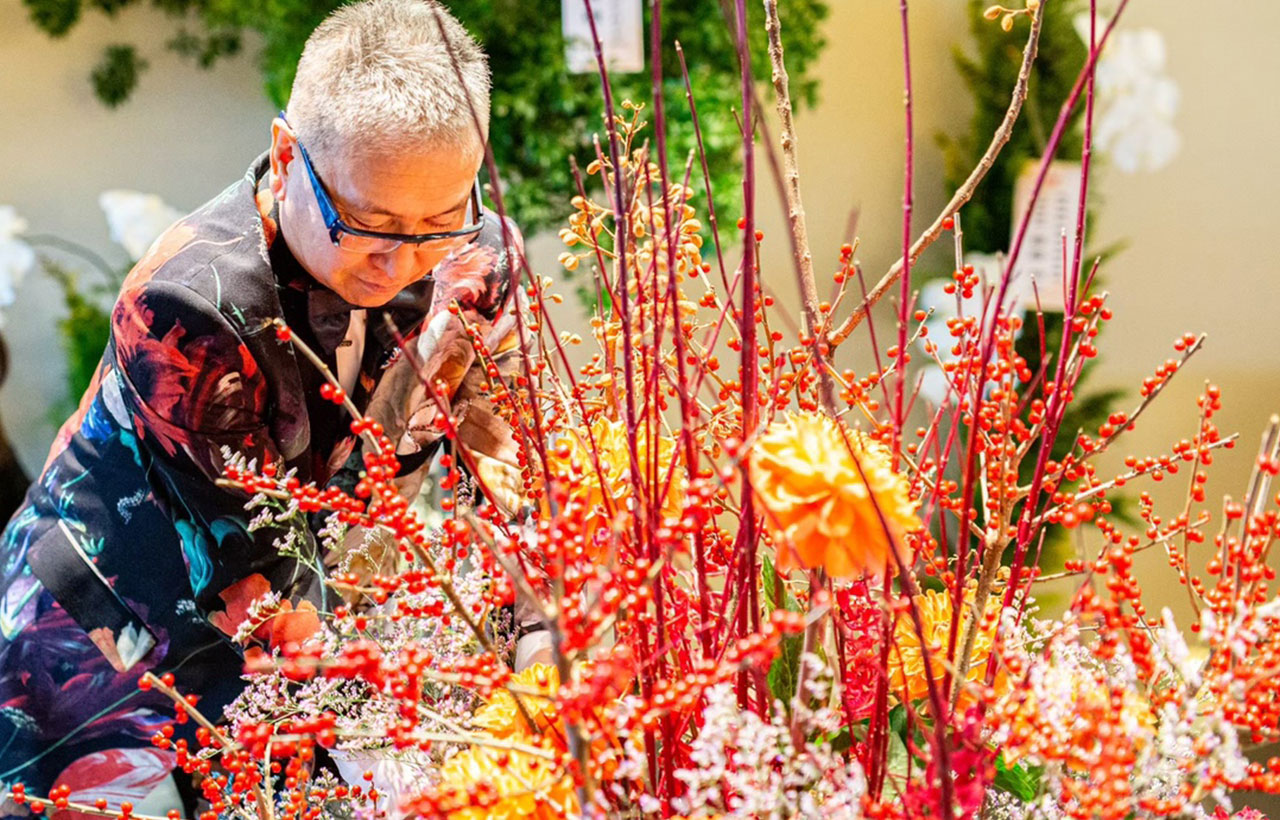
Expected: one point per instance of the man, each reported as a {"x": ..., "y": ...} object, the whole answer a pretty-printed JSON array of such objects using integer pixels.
[{"x": 126, "y": 546}]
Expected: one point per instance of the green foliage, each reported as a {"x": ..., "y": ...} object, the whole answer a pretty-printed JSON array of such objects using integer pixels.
[
  {"x": 206, "y": 50},
  {"x": 109, "y": 7},
  {"x": 541, "y": 114},
  {"x": 784, "y": 672},
  {"x": 55, "y": 17},
  {"x": 83, "y": 332},
  {"x": 990, "y": 76},
  {"x": 1021, "y": 781},
  {"x": 116, "y": 74}
]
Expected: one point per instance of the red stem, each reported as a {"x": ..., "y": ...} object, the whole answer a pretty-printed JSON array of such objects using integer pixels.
[
  {"x": 747, "y": 322},
  {"x": 904, "y": 291}
]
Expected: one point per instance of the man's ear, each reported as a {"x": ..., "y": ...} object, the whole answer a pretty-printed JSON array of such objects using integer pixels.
[{"x": 283, "y": 150}]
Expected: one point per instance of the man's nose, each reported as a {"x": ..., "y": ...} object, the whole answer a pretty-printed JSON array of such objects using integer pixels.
[{"x": 400, "y": 264}]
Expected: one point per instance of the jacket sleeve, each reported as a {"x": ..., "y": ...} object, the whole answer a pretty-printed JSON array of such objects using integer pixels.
[{"x": 193, "y": 394}]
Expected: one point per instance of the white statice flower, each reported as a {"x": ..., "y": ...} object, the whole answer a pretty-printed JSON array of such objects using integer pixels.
[
  {"x": 17, "y": 258},
  {"x": 1179, "y": 657},
  {"x": 136, "y": 219},
  {"x": 260, "y": 610},
  {"x": 1135, "y": 101},
  {"x": 765, "y": 774},
  {"x": 1181, "y": 741}
]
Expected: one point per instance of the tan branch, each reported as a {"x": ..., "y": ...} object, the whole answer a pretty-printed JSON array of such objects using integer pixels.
[
  {"x": 962, "y": 194},
  {"x": 795, "y": 206}
]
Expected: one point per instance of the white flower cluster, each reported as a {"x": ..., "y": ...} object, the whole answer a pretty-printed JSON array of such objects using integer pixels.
[
  {"x": 17, "y": 258},
  {"x": 1135, "y": 101},
  {"x": 260, "y": 609},
  {"x": 365, "y": 715},
  {"x": 765, "y": 774},
  {"x": 136, "y": 219},
  {"x": 1179, "y": 743}
]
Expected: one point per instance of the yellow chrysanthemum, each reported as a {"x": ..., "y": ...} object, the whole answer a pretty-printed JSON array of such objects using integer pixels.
[
  {"x": 907, "y": 659},
  {"x": 571, "y": 462},
  {"x": 500, "y": 717},
  {"x": 818, "y": 507},
  {"x": 526, "y": 786}
]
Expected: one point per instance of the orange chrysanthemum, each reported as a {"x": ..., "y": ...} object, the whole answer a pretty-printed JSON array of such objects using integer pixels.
[
  {"x": 819, "y": 508},
  {"x": 907, "y": 658},
  {"x": 609, "y": 502}
]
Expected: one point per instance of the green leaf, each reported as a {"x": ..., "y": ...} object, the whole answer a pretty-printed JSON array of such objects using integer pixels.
[
  {"x": 116, "y": 75},
  {"x": 54, "y": 17},
  {"x": 897, "y": 759},
  {"x": 898, "y": 720},
  {"x": 784, "y": 672},
  {"x": 1021, "y": 781},
  {"x": 842, "y": 741},
  {"x": 769, "y": 579}
]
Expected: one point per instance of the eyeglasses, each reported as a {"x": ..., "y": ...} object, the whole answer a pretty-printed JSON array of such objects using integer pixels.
[{"x": 358, "y": 240}]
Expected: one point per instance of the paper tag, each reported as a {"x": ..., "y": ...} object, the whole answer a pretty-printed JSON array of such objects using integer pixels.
[
  {"x": 1041, "y": 256},
  {"x": 620, "y": 25}
]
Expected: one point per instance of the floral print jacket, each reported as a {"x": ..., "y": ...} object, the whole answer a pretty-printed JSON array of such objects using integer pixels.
[{"x": 126, "y": 546}]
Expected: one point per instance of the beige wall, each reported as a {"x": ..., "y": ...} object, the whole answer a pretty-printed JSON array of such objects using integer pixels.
[
  {"x": 187, "y": 134},
  {"x": 1198, "y": 257}
]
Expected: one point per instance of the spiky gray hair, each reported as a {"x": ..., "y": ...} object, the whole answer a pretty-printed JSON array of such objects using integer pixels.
[{"x": 382, "y": 73}]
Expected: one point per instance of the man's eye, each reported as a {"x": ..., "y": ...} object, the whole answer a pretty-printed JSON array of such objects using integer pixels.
[{"x": 448, "y": 224}]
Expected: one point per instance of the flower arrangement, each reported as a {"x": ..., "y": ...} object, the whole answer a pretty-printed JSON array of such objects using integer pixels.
[{"x": 772, "y": 587}]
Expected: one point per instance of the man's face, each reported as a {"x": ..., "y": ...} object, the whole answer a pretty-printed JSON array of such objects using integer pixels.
[{"x": 425, "y": 191}]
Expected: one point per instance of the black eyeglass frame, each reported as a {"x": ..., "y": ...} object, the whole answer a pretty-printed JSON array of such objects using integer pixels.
[{"x": 336, "y": 227}]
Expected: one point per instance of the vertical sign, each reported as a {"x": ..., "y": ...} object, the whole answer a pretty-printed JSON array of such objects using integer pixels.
[
  {"x": 1041, "y": 255},
  {"x": 620, "y": 25}
]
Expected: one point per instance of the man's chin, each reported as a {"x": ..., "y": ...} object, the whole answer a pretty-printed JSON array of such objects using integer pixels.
[{"x": 365, "y": 295}]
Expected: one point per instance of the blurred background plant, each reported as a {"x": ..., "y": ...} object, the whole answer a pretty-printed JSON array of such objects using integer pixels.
[
  {"x": 89, "y": 283},
  {"x": 546, "y": 112}
]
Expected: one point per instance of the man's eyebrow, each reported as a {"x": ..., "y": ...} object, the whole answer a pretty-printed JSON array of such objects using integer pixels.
[
  {"x": 451, "y": 211},
  {"x": 357, "y": 206},
  {"x": 370, "y": 209}
]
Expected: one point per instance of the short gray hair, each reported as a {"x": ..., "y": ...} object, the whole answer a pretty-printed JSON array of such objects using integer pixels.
[{"x": 386, "y": 73}]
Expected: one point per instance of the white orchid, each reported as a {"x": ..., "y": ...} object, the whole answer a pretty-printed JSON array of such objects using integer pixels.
[
  {"x": 16, "y": 256},
  {"x": 1136, "y": 101},
  {"x": 136, "y": 219}
]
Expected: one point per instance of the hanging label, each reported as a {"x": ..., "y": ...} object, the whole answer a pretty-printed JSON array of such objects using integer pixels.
[
  {"x": 620, "y": 25},
  {"x": 1041, "y": 260}
]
